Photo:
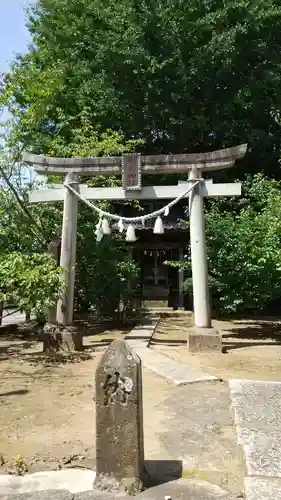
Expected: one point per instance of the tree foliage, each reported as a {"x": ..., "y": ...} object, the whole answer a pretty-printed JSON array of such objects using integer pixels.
[
  {"x": 194, "y": 75},
  {"x": 103, "y": 271},
  {"x": 28, "y": 275},
  {"x": 244, "y": 249},
  {"x": 31, "y": 281}
]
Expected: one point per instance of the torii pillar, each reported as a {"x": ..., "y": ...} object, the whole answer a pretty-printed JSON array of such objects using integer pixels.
[
  {"x": 131, "y": 167},
  {"x": 200, "y": 285}
]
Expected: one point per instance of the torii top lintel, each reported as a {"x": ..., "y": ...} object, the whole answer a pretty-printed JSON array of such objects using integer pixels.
[{"x": 153, "y": 164}]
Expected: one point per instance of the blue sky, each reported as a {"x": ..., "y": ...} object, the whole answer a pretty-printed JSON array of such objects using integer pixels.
[{"x": 13, "y": 33}]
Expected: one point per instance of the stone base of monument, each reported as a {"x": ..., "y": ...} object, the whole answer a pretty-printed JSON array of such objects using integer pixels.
[
  {"x": 204, "y": 340},
  {"x": 74, "y": 484},
  {"x": 61, "y": 339},
  {"x": 128, "y": 485}
]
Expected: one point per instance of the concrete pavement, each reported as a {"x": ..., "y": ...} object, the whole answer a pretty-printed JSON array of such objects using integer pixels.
[{"x": 257, "y": 414}]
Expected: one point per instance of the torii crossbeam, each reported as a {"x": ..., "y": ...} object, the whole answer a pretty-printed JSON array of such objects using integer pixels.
[{"x": 132, "y": 167}]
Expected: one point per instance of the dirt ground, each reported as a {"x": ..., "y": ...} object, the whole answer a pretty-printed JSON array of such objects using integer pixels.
[
  {"x": 251, "y": 348},
  {"x": 47, "y": 409},
  {"x": 41, "y": 397}
]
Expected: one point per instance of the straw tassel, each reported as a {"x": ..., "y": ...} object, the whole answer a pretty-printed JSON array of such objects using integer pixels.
[
  {"x": 167, "y": 211},
  {"x": 99, "y": 234},
  {"x": 120, "y": 226},
  {"x": 158, "y": 226},
  {"x": 131, "y": 234},
  {"x": 105, "y": 227}
]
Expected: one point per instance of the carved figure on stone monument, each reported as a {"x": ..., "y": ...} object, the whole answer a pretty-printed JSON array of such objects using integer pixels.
[{"x": 116, "y": 388}]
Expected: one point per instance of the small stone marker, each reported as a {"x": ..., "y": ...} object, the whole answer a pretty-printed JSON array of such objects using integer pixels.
[{"x": 119, "y": 420}]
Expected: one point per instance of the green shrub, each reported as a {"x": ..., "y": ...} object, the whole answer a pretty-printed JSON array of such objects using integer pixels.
[
  {"x": 243, "y": 239},
  {"x": 32, "y": 281}
]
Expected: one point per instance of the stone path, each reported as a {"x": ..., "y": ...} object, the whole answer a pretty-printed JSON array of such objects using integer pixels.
[
  {"x": 200, "y": 433},
  {"x": 257, "y": 413},
  {"x": 140, "y": 335},
  {"x": 178, "y": 373}
]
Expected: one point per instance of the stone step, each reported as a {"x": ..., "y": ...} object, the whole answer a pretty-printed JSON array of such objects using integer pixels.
[
  {"x": 176, "y": 372},
  {"x": 141, "y": 334}
]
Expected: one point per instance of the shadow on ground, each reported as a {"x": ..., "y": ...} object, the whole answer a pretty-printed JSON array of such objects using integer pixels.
[
  {"x": 90, "y": 325},
  {"x": 20, "y": 392},
  {"x": 229, "y": 346},
  {"x": 256, "y": 330},
  {"x": 15, "y": 349},
  {"x": 16, "y": 340},
  {"x": 251, "y": 334},
  {"x": 163, "y": 471}
]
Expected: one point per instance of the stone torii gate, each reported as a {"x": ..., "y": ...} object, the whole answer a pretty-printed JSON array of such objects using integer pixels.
[{"x": 131, "y": 167}]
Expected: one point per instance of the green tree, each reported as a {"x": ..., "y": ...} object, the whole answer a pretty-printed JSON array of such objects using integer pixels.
[
  {"x": 28, "y": 274},
  {"x": 244, "y": 254},
  {"x": 244, "y": 249},
  {"x": 194, "y": 75},
  {"x": 30, "y": 280},
  {"x": 103, "y": 270}
]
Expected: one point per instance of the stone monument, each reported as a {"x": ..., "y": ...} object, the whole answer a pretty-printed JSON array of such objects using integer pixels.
[{"x": 119, "y": 420}]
